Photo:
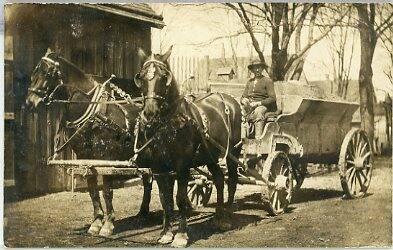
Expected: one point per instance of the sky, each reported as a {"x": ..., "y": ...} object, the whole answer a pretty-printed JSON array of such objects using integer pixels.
[{"x": 191, "y": 29}]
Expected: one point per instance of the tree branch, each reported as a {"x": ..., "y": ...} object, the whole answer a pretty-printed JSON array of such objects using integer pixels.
[
  {"x": 225, "y": 37},
  {"x": 310, "y": 44},
  {"x": 388, "y": 23},
  {"x": 299, "y": 26},
  {"x": 315, "y": 8},
  {"x": 264, "y": 11},
  {"x": 246, "y": 23}
]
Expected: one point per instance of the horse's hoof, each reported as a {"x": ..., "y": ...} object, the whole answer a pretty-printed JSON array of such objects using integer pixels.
[
  {"x": 107, "y": 229},
  {"x": 105, "y": 232},
  {"x": 166, "y": 238},
  {"x": 180, "y": 240},
  {"x": 95, "y": 227}
]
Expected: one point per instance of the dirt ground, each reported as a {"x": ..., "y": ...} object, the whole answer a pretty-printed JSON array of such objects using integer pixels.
[{"x": 318, "y": 217}]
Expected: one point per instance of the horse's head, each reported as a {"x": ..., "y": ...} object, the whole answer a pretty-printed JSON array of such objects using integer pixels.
[
  {"x": 45, "y": 79},
  {"x": 156, "y": 82}
]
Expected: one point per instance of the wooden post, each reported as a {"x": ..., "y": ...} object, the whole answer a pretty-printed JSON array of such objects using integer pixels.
[
  {"x": 182, "y": 68},
  {"x": 72, "y": 181}
]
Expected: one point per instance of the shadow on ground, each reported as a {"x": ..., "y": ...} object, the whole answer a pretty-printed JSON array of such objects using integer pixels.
[
  {"x": 201, "y": 225},
  {"x": 206, "y": 228},
  {"x": 311, "y": 194}
]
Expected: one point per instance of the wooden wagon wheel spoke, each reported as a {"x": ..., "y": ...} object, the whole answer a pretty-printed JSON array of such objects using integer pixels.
[
  {"x": 351, "y": 175},
  {"x": 353, "y": 182},
  {"x": 192, "y": 189},
  {"x": 353, "y": 145},
  {"x": 361, "y": 183},
  {"x": 359, "y": 144},
  {"x": 197, "y": 198},
  {"x": 282, "y": 169},
  {"x": 351, "y": 162},
  {"x": 199, "y": 192},
  {"x": 362, "y": 149},
  {"x": 193, "y": 197},
  {"x": 350, "y": 154},
  {"x": 366, "y": 155},
  {"x": 364, "y": 176},
  {"x": 350, "y": 171},
  {"x": 272, "y": 176}
]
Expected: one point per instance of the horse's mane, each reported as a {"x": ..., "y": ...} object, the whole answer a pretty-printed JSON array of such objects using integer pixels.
[
  {"x": 173, "y": 91},
  {"x": 72, "y": 67}
]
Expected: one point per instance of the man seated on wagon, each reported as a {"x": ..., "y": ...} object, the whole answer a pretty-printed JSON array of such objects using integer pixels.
[{"x": 258, "y": 97}]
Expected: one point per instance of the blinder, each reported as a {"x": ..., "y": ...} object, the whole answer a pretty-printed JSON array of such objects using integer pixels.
[{"x": 46, "y": 95}]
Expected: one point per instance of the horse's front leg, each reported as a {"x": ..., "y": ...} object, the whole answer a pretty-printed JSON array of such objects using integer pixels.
[
  {"x": 219, "y": 180},
  {"x": 92, "y": 186},
  {"x": 181, "y": 237},
  {"x": 107, "y": 228},
  {"x": 147, "y": 187},
  {"x": 165, "y": 187}
]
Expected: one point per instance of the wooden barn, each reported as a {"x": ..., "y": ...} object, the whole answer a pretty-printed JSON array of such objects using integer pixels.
[{"x": 102, "y": 39}]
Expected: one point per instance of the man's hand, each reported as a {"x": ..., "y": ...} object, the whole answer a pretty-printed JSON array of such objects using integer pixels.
[
  {"x": 255, "y": 104},
  {"x": 245, "y": 101}
]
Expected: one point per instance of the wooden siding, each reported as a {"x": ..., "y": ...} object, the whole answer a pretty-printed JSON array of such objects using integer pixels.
[{"x": 105, "y": 46}]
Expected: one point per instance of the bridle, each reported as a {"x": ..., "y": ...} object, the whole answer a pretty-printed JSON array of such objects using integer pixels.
[
  {"x": 47, "y": 95},
  {"x": 153, "y": 94}
]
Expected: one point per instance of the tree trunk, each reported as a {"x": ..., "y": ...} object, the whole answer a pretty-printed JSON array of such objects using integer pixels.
[
  {"x": 366, "y": 92},
  {"x": 366, "y": 89},
  {"x": 279, "y": 55}
]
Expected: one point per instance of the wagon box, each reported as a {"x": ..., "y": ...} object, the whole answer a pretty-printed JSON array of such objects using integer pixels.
[{"x": 319, "y": 126}]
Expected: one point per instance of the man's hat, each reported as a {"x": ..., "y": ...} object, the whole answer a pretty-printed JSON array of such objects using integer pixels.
[{"x": 256, "y": 63}]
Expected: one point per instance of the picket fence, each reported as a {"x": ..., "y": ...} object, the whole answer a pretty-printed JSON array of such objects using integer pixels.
[{"x": 183, "y": 68}]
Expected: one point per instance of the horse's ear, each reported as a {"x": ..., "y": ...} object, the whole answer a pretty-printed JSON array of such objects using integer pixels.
[
  {"x": 167, "y": 54},
  {"x": 142, "y": 55},
  {"x": 138, "y": 81}
]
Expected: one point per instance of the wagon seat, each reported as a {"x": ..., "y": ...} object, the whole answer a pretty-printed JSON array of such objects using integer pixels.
[{"x": 289, "y": 95}]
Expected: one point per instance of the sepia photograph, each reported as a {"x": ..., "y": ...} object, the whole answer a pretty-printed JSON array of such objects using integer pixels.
[{"x": 205, "y": 125}]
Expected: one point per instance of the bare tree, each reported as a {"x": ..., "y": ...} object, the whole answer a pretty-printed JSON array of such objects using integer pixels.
[
  {"x": 387, "y": 42},
  {"x": 339, "y": 40},
  {"x": 370, "y": 29},
  {"x": 286, "y": 21}
]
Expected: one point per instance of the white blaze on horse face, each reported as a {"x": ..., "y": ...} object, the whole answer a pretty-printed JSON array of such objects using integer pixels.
[
  {"x": 151, "y": 72},
  {"x": 150, "y": 77},
  {"x": 151, "y": 106}
]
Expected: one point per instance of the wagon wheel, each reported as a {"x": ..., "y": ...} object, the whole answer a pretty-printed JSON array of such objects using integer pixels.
[
  {"x": 277, "y": 171},
  {"x": 199, "y": 192},
  {"x": 355, "y": 163}
]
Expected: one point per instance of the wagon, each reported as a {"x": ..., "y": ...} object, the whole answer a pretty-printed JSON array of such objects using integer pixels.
[{"x": 307, "y": 129}]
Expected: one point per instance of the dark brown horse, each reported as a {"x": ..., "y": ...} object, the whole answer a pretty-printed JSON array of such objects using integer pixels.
[
  {"x": 176, "y": 135},
  {"x": 58, "y": 82}
]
